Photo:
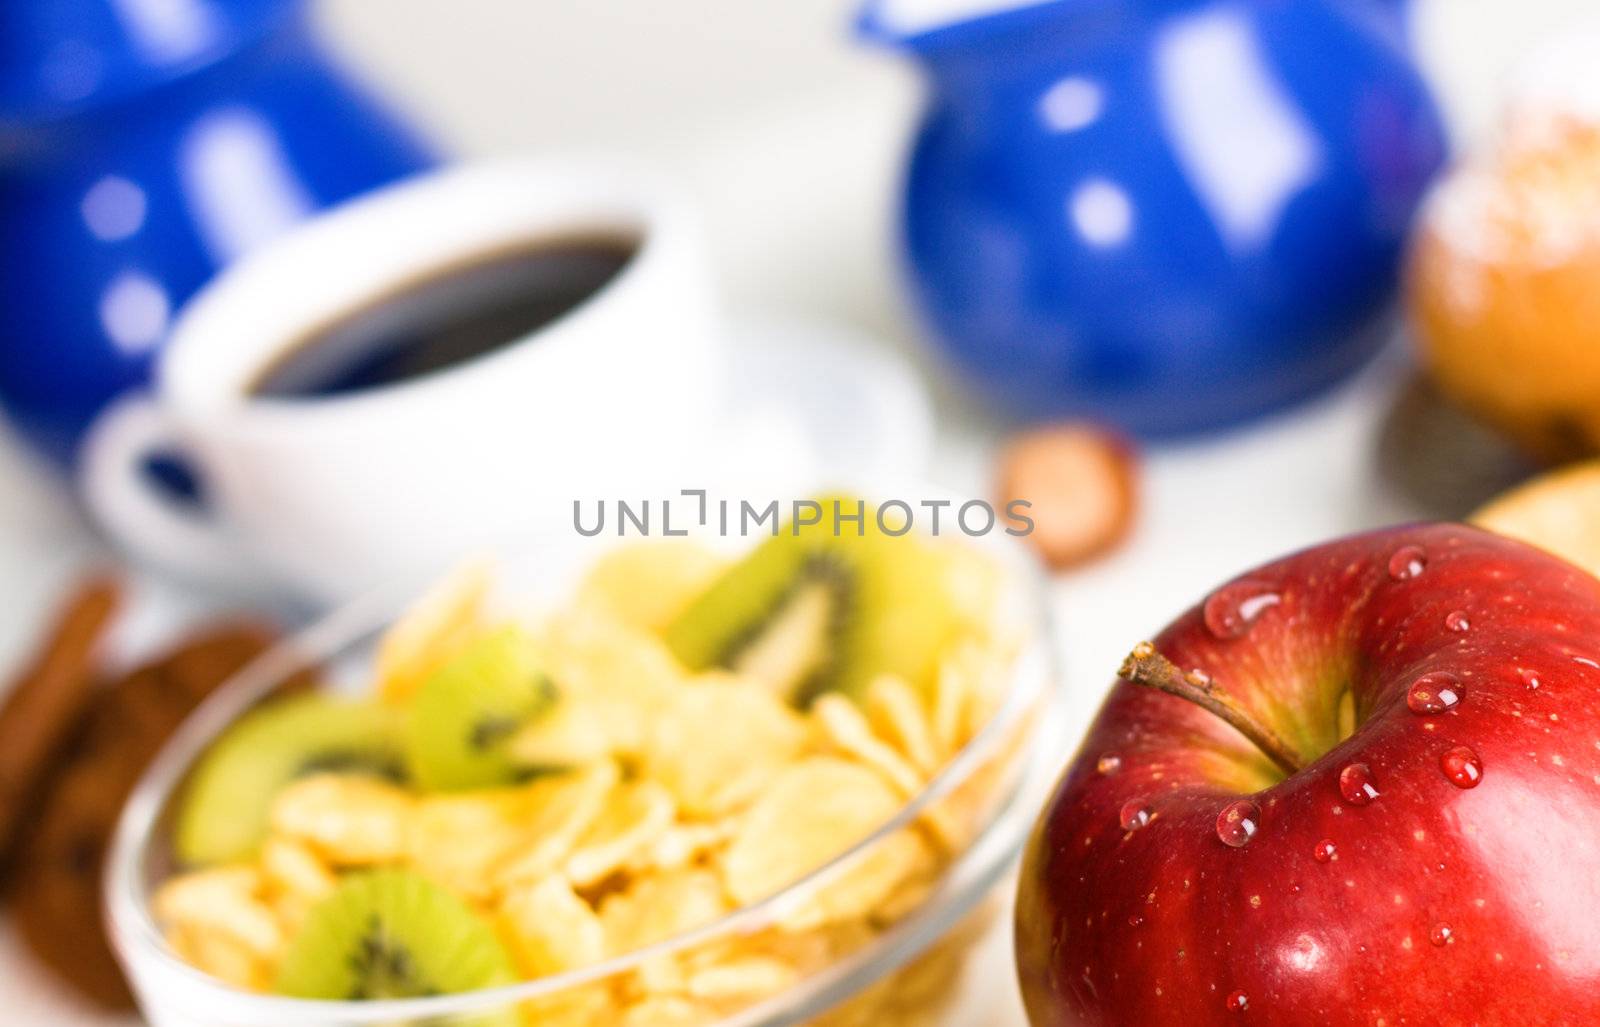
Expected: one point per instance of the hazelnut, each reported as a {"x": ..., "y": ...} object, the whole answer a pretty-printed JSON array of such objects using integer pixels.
[{"x": 1081, "y": 482}]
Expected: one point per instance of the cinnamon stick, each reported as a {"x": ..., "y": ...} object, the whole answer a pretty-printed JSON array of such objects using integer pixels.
[{"x": 48, "y": 700}]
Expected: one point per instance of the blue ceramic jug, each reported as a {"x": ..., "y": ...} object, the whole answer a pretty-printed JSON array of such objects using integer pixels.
[
  {"x": 143, "y": 144},
  {"x": 1170, "y": 215}
]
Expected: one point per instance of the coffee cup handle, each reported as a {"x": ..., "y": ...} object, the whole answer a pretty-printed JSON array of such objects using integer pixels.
[{"x": 143, "y": 519}]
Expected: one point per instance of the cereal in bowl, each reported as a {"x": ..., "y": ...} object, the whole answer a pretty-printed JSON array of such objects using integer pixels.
[{"x": 522, "y": 797}]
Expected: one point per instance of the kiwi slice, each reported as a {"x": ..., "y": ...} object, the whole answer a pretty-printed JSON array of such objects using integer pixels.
[
  {"x": 386, "y": 934},
  {"x": 821, "y": 607},
  {"x": 223, "y": 816},
  {"x": 468, "y": 710}
]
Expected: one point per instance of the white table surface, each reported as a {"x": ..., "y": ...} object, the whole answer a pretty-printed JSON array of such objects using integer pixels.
[{"x": 793, "y": 154}]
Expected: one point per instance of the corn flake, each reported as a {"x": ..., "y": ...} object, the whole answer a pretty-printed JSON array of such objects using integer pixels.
[
  {"x": 646, "y": 584},
  {"x": 635, "y": 817},
  {"x": 679, "y": 845},
  {"x": 661, "y": 906},
  {"x": 587, "y": 1005},
  {"x": 459, "y": 839},
  {"x": 947, "y": 713},
  {"x": 224, "y": 902},
  {"x": 290, "y": 867},
  {"x": 219, "y": 955},
  {"x": 433, "y": 630},
  {"x": 560, "y": 809},
  {"x": 898, "y": 716},
  {"x": 551, "y": 929},
  {"x": 719, "y": 742},
  {"x": 741, "y": 980},
  {"x": 870, "y": 881},
  {"x": 844, "y": 728},
  {"x": 665, "y": 1011},
  {"x": 614, "y": 680},
  {"x": 294, "y": 880},
  {"x": 348, "y": 819},
  {"x": 813, "y": 811}
]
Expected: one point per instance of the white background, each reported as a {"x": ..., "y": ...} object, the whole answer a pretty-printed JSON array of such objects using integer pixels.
[{"x": 790, "y": 138}]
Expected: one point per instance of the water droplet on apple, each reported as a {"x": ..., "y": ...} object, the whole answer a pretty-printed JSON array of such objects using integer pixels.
[
  {"x": 1135, "y": 920},
  {"x": 1238, "y": 1002},
  {"x": 1135, "y": 814},
  {"x": 1357, "y": 784},
  {"x": 1198, "y": 678},
  {"x": 1440, "y": 934},
  {"x": 1108, "y": 764},
  {"x": 1461, "y": 766},
  {"x": 1407, "y": 562},
  {"x": 1529, "y": 678},
  {"x": 1325, "y": 851},
  {"x": 1237, "y": 822},
  {"x": 1456, "y": 620},
  {"x": 1231, "y": 610},
  {"x": 1434, "y": 693}
]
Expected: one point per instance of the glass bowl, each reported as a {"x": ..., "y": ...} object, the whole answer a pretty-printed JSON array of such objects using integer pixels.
[{"x": 904, "y": 971}]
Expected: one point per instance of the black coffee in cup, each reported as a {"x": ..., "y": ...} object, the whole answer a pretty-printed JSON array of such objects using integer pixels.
[{"x": 449, "y": 317}]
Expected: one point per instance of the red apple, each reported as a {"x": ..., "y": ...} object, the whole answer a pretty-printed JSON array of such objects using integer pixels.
[{"x": 1364, "y": 790}]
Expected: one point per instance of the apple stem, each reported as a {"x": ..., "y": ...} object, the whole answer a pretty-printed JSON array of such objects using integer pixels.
[{"x": 1146, "y": 666}]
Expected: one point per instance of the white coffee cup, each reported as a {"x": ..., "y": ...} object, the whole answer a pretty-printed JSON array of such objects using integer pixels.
[{"x": 328, "y": 494}]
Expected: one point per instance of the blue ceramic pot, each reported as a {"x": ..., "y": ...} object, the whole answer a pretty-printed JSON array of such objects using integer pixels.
[
  {"x": 142, "y": 146},
  {"x": 1171, "y": 215}
]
